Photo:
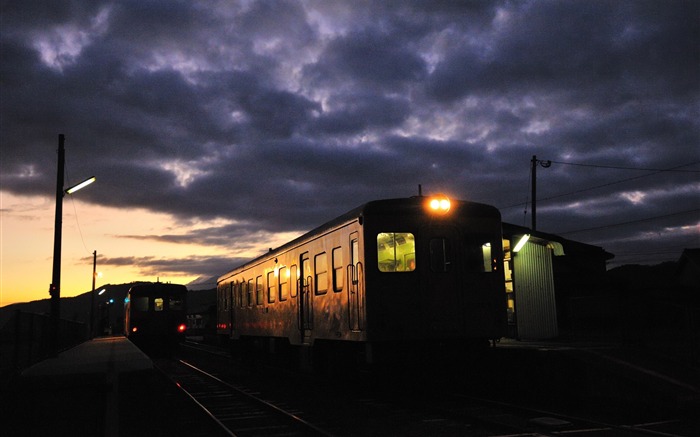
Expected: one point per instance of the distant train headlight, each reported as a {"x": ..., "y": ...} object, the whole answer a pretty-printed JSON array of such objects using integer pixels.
[
  {"x": 135, "y": 329},
  {"x": 439, "y": 204}
]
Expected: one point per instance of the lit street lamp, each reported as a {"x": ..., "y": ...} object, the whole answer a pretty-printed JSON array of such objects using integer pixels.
[{"x": 55, "y": 287}]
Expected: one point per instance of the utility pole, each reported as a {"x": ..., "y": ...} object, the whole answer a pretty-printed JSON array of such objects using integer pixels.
[
  {"x": 55, "y": 287},
  {"x": 533, "y": 195},
  {"x": 533, "y": 168},
  {"x": 92, "y": 301}
]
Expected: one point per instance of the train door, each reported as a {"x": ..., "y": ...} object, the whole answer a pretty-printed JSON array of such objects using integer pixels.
[
  {"x": 232, "y": 307},
  {"x": 355, "y": 282},
  {"x": 305, "y": 298},
  {"x": 443, "y": 300},
  {"x": 159, "y": 316}
]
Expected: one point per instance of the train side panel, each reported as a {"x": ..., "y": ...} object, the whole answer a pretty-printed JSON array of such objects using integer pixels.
[{"x": 301, "y": 294}]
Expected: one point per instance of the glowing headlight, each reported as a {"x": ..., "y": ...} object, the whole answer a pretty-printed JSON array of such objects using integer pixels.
[{"x": 440, "y": 204}]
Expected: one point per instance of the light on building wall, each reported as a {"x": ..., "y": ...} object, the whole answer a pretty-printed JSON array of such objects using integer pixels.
[{"x": 521, "y": 243}]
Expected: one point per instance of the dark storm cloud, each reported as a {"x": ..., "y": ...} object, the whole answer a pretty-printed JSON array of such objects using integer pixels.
[{"x": 281, "y": 115}]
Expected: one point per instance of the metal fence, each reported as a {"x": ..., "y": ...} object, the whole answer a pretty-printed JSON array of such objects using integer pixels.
[{"x": 24, "y": 340}]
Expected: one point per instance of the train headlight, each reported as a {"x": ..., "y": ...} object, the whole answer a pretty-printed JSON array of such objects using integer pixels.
[{"x": 439, "y": 204}]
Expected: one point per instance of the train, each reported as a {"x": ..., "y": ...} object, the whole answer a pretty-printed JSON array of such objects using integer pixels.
[
  {"x": 390, "y": 275},
  {"x": 155, "y": 315}
]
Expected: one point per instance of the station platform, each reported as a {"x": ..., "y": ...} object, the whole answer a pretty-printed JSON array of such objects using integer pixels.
[
  {"x": 634, "y": 377},
  {"x": 102, "y": 387}
]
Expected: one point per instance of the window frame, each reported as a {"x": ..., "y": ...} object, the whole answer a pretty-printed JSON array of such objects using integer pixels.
[
  {"x": 321, "y": 273},
  {"x": 337, "y": 265}
]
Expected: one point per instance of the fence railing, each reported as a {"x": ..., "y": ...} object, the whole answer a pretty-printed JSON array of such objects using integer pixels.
[{"x": 24, "y": 340}]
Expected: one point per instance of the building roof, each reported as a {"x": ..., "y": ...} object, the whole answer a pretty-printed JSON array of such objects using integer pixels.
[{"x": 510, "y": 230}]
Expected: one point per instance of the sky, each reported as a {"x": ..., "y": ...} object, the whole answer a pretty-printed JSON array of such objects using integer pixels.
[{"x": 219, "y": 129}]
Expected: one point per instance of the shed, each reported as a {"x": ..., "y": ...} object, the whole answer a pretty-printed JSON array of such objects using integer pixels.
[{"x": 552, "y": 283}]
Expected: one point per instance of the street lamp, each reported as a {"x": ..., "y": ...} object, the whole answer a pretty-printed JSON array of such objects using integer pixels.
[{"x": 55, "y": 287}]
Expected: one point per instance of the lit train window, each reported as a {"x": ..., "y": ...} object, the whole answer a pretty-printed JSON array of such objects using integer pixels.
[
  {"x": 158, "y": 304},
  {"x": 284, "y": 283},
  {"x": 259, "y": 290},
  {"x": 271, "y": 287},
  {"x": 396, "y": 252},
  {"x": 294, "y": 280},
  {"x": 337, "y": 269},
  {"x": 321, "y": 270},
  {"x": 250, "y": 292}
]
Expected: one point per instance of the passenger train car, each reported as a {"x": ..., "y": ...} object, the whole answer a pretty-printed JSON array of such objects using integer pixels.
[
  {"x": 155, "y": 315},
  {"x": 411, "y": 272}
]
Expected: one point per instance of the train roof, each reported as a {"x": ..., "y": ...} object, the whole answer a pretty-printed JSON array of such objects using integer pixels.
[
  {"x": 153, "y": 286},
  {"x": 373, "y": 208}
]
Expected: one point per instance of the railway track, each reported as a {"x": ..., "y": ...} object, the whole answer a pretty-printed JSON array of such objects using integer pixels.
[
  {"x": 238, "y": 411},
  {"x": 526, "y": 421},
  {"x": 399, "y": 405}
]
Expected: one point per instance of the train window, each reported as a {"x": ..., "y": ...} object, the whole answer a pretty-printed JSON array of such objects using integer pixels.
[
  {"x": 355, "y": 255},
  {"x": 293, "y": 280},
  {"x": 396, "y": 252},
  {"x": 140, "y": 303},
  {"x": 321, "y": 271},
  {"x": 220, "y": 296},
  {"x": 283, "y": 276},
  {"x": 158, "y": 304},
  {"x": 175, "y": 303},
  {"x": 477, "y": 253},
  {"x": 250, "y": 292},
  {"x": 271, "y": 286},
  {"x": 241, "y": 286},
  {"x": 259, "y": 290},
  {"x": 440, "y": 260},
  {"x": 337, "y": 269}
]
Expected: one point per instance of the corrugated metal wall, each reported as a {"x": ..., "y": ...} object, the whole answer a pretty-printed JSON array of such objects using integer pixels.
[{"x": 533, "y": 284}]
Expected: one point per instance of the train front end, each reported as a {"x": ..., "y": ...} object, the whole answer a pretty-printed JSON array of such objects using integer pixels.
[
  {"x": 155, "y": 315},
  {"x": 434, "y": 271}
]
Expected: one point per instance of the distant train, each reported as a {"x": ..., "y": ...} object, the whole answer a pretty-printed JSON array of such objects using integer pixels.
[
  {"x": 390, "y": 274},
  {"x": 155, "y": 315}
]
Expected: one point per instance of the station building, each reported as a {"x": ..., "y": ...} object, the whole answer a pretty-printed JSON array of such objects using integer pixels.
[{"x": 554, "y": 286}]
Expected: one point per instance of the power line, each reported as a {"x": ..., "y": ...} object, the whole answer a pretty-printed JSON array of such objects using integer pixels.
[
  {"x": 631, "y": 222},
  {"x": 674, "y": 169},
  {"x": 656, "y": 171}
]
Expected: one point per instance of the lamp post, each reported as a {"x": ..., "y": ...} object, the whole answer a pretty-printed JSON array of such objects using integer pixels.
[{"x": 55, "y": 287}]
